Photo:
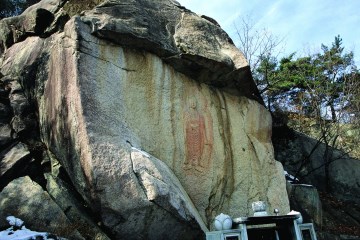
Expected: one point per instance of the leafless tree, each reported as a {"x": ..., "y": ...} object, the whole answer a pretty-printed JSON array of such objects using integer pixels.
[{"x": 256, "y": 43}]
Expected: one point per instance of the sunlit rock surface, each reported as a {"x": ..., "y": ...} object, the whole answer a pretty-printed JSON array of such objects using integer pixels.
[{"x": 153, "y": 115}]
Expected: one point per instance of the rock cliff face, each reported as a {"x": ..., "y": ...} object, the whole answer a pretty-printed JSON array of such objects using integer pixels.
[
  {"x": 292, "y": 148},
  {"x": 335, "y": 211},
  {"x": 150, "y": 111}
]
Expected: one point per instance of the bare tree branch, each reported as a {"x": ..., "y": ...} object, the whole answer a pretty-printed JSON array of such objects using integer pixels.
[{"x": 254, "y": 42}]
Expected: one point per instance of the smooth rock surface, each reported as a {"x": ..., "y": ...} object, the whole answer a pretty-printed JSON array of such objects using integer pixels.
[
  {"x": 148, "y": 75},
  {"x": 109, "y": 96},
  {"x": 162, "y": 187}
]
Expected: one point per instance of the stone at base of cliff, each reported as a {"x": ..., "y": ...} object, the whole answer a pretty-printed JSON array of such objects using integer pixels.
[
  {"x": 305, "y": 199},
  {"x": 344, "y": 177},
  {"x": 26, "y": 200},
  {"x": 75, "y": 212}
]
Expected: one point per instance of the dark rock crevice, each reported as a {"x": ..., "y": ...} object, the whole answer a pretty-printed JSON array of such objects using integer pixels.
[{"x": 111, "y": 63}]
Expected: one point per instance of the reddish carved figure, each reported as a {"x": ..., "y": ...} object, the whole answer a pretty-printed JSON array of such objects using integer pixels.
[{"x": 197, "y": 144}]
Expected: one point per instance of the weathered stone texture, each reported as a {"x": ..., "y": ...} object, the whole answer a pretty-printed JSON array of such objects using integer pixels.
[
  {"x": 16, "y": 153},
  {"x": 41, "y": 19},
  {"x": 111, "y": 98},
  {"x": 28, "y": 201},
  {"x": 152, "y": 76},
  {"x": 189, "y": 43},
  {"x": 305, "y": 199},
  {"x": 74, "y": 210},
  {"x": 291, "y": 151}
]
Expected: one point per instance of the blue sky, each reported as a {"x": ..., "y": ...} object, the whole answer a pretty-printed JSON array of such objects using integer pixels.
[{"x": 304, "y": 24}]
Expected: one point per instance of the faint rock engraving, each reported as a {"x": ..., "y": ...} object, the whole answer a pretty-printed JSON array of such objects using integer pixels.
[{"x": 197, "y": 138}]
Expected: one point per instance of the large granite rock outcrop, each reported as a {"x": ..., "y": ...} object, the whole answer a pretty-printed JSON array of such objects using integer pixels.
[
  {"x": 153, "y": 115},
  {"x": 304, "y": 155},
  {"x": 192, "y": 45},
  {"x": 41, "y": 19},
  {"x": 335, "y": 212}
]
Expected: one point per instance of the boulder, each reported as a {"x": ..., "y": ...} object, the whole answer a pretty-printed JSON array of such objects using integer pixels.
[
  {"x": 154, "y": 117},
  {"x": 22, "y": 66},
  {"x": 345, "y": 178},
  {"x": 100, "y": 99},
  {"x": 305, "y": 199},
  {"x": 340, "y": 206},
  {"x": 26, "y": 200},
  {"x": 292, "y": 150},
  {"x": 13, "y": 162},
  {"x": 66, "y": 198},
  {"x": 41, "y": 19},
  {"x": 193, "y": 45},
  {"x": 163, "y": 188}
]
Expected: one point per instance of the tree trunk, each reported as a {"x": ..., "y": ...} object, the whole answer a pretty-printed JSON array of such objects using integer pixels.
[
  {"x": 328, "y": 158},
  {"x": 333, "y": 112}
]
